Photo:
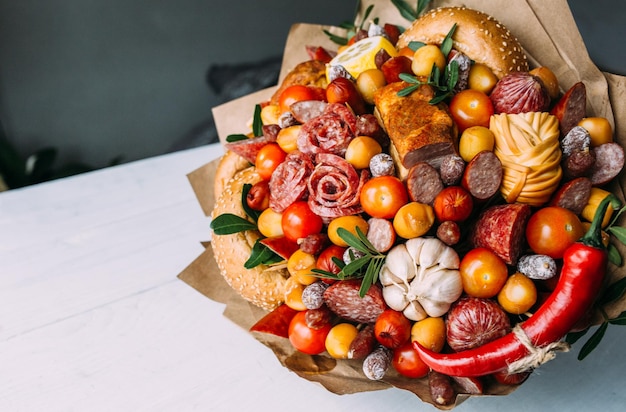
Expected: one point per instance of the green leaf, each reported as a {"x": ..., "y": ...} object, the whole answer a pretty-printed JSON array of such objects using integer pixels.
[
  {"x": 236, "y": 137},
  {"x": 447, "y": 43},
  {"x": 414, "y": 45},
  {"x": 619, "y": 319},
  {"x": 252, "y": 214},
  {"x": 614, "y": 256},
  {"x": 354, "y": 266},
  {"x": 421, "y": 6},
  {"x": 409, "y": 78},
  {"x": 408, "y": 90},
  {"x": 619, "y": 233},
  {"x": 613, "y": 292},
  {"x": 405, "y": 10},
  {"x": 593, "y": 341},
  {"x": 257, "y": 123},
  {"x": 228, "y": 223},
  {"x": 342, "y": 41},
  {"x": 368, "y": 11},
  {"x": 351, "y": 240},
  {"x": 261, "y": 255},
  {"x": 573, "y": 337}
]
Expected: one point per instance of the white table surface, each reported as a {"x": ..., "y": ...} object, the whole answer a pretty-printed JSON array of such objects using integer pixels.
[{"x": 94, "y": 318}]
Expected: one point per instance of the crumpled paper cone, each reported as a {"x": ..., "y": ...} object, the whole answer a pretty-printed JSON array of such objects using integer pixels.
[{"x": 550, "y": 38}]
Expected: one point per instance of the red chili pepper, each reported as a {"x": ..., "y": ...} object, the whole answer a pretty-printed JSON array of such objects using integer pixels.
[{"x": 582, "y": 275}]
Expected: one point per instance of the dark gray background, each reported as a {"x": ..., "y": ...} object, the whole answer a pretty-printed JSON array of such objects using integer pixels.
[{"x": 100, "y": 79}]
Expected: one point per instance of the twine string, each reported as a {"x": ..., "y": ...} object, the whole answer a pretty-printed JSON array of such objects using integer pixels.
[{"x": 537, "y": 355}]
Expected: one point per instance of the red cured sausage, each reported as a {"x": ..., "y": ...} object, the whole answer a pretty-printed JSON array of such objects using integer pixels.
[
  {"x": 573, "y": 195},
  {"x": 330, "y": 132},
  {"x": 334, "y": 187},
  {"x": 289, "y": 181},
  {"x": 483, "y": 175},
  {"x": 501, "y": 229},
  {"x": 247, "y": 148},
  {"x": 423, "y": 183},
  {"x": 571, "y": 108},
  {"x": 609, "y": 162}
]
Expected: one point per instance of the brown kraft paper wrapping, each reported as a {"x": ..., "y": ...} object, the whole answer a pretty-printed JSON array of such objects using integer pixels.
[{"x": 549, "y": 35}]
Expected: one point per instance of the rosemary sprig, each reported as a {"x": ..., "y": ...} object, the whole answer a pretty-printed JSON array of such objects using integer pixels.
[
  {"x": 409, "y": 12},
  {"x": 443, "y": 82},
  {"x": 351, "y": 28},
  {"x": 367, "y": 266}
]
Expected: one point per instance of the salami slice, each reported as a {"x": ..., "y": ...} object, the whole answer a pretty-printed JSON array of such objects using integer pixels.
[
  {"x": 501, "y": 229},
  {"x": 334, "y": 187},
  {"x": 609, "y": 162},
  {"x": 573, "y": 195},
  {"x": 247, "y": 148},
  {"x": 423, "y": 183},
  {"x": 289, "y": 181},
  {"x": 330, "y": 132}
]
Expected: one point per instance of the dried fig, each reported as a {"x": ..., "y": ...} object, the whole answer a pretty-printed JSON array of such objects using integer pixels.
[{"x": 520, "y": 92}]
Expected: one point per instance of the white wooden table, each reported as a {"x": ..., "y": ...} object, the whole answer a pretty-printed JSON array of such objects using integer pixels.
[{"x": 94, "y": 318}]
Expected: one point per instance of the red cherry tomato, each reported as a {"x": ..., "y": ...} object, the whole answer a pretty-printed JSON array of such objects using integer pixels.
[
  {"x": 325, "y": 259},
  {"x": 408, "y": 363},
  {"x": 299, "y": 221},
  {"x": 471, "y": 108},
  {"x": 392, "y": 329},
  {"x": 298, "y": 93},
  {"x": 306, "y": 339},
  {"x": 268, "y": 158},
  {"x": 453, "y": 203},
  {"x": 552, "y": 229},
  {"x": 383, "y": 196}
]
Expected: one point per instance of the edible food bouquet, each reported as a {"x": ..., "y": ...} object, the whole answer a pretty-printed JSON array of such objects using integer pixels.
[{"x": 429, "y": 199}]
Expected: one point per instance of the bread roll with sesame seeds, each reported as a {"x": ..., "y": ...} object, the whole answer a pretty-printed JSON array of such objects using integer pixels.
[
  {"x": 478, "y": 35},
  {"x": 263, "y": 285}
]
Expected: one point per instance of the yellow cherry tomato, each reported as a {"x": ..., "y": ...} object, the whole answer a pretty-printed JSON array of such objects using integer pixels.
[
  {"x": 518, "y": 294},
  {"x": 300, "y": 265},
  {"x": 293, "y": 294},
  {"x": 599, "y": 129},
  {"x": 287, "y": 138},
  {"x": 482, "y": 78},
  {"x": 597, "y": 195},
  {"x": 368, "y": 82},
  {"x": 360, "y": 151},
  {"x": 350, "y": 223},
  {"x": 339, "y": 339},
  {"x": 269, "y": 223},
  {"x": 475, "y": 139},
  {"x": 425, "y": 57},
  {"x": 413, "y": 220},
  {"x": 430, "y": 333},
  {"x": 549, "y": 80}
]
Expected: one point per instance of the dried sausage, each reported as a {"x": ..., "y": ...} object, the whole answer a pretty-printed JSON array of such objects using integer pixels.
[
  {"x": 573, "y": 195},
  {"x": 423, "y": 183},
  {"x": 483, "y": 175},
  {"x": 609, "y": 162},
  {"x": 501, "y": 229},
  {"x": 571, "y": 108},
  {"x": 330, "y": 132}
]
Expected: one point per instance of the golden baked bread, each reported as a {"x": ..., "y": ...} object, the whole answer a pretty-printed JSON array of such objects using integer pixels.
[
  {"x": 479, "y": 36},
  {"x": 263, "y": 286}
]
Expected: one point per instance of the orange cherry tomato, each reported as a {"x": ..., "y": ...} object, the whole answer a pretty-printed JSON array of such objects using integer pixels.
[
  {"x": 471, "y": 108},
  {"x": 518, "y": 294},
  {"x": 483, "y": 273},
  {"x": 383, "y": 196},
  {"x": 268, "y": 158},
  {"x": 551, "y": 230},
  {"x": 297, "y": 93}
]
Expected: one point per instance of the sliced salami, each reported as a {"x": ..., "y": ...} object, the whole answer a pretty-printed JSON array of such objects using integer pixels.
[
  {"x": 483, "y": 175},
  {"x": 334, "y": 187},
  {"x": 573, "y": 195},
  {"x": 247, "y": 148},
  {"x": 501, "y": 229},
  {"x": 571, "y": 108},
  {"x": 423, "y": 183},
  {"x": 289, "y": 181},
  {"x": 609, "y": 162},
  {"x": 330, "y": 132}
]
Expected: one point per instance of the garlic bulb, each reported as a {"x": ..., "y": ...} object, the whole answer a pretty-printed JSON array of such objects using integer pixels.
[{"x": 421, "y": 278}]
